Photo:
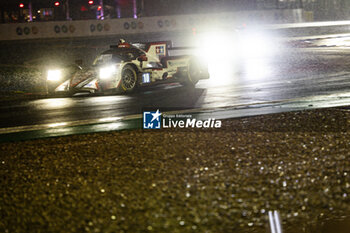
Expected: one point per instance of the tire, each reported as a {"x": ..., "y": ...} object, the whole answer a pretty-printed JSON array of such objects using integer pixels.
[
  {"x": 128, "y": 82},
  {"x": 193, "y": 74}
]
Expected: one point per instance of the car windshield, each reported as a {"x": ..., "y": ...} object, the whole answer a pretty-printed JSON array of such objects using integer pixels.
[{"x": 117, "y": 55}]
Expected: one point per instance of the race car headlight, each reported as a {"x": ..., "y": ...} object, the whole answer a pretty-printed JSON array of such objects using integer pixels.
[
  {"x": 107, "y": 72},
  {"x": 54, "y": 75}
]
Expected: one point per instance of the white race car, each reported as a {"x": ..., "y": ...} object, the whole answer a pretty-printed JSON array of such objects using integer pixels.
[{"x": 125, "y": 67}]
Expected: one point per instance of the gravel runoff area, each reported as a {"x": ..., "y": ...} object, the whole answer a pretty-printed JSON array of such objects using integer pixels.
[{"x": 184, "y": 180}]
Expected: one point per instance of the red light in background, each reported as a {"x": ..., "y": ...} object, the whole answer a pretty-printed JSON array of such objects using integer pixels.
[
  {"x": 57, "y": 3},
  {"x": 99, "y": 8},
  {"x": 91, "y": 2},
  {"x": 21, "y": 5}
]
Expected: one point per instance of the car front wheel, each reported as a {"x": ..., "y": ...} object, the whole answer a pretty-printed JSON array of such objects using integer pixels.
[{"x": 128, "y": 80}]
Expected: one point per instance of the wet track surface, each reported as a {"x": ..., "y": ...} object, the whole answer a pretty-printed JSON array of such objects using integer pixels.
[{"x": 310, "y": 73}]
